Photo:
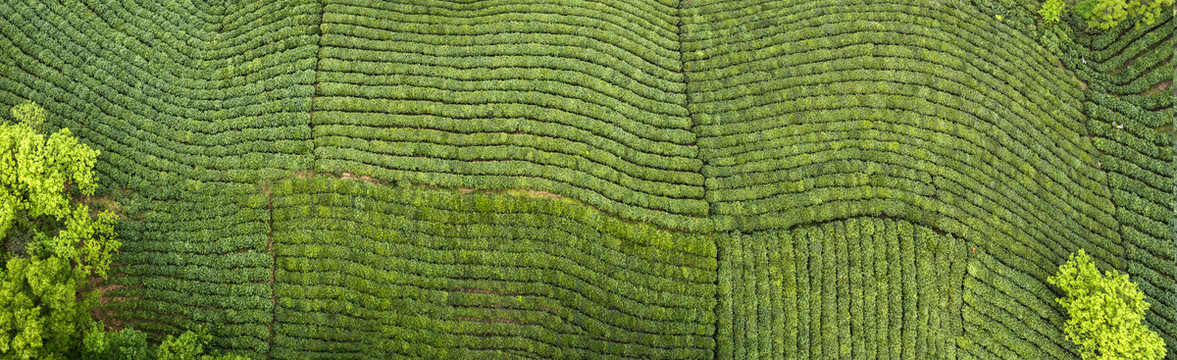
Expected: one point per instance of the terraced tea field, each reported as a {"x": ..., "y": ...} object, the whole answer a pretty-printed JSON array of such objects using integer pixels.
[{"x": 358, "y": 179}]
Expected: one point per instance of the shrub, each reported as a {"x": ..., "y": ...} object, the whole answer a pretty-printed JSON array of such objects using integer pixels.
[
  {"x": 131, "y": 344},
  {"x": 126, "y": 344},
  {"x": 189, "y": 346},
  {"x": 1051, "y": 9}
]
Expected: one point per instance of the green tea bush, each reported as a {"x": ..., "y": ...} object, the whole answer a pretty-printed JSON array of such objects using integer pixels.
[
  {"x": 839, "y": 290},
  {"x": 794, "y": 122},
  {"x": 451, "y": 274}
]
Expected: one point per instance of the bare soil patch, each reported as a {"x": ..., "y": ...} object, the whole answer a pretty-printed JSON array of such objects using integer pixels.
[
  {"x": 344, "y": 176},
  {"x": 499, "y": 320},
  {"x": 1156, "y": 89},
  {"x": 368, "y": 179},
  {"x": 535, "y": 194},
  {"x": 100, "y": 312},
  {"x": 480, "y": 291}
]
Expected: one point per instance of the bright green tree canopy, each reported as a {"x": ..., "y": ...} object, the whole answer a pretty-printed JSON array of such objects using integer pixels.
[
  {"x": 36, "y": 176},
  {"x": 1051, "y": 9},
  {"x": 39, "y": 312},
  {"x": 1106, "y": 14},
  {"x": 1106, "y": 313}
]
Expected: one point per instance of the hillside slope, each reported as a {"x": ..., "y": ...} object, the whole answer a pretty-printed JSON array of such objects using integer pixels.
[{"x": 618, "y": 178}]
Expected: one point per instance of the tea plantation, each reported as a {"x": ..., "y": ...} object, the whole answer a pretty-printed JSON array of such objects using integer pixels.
[{"x": 690, "y": 179}]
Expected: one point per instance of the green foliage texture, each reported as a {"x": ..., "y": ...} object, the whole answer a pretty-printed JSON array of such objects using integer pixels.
[
  {"x": 125, "y": 344},
  {"x": 189, "y": 346},
  {"x": 717, "y": 140},
  {"x": 131, "y": 344},
  {"x": 1051, "y": 9},
  {"x": 40, "y": 315},
  {"x": 1106, "y": 313},
  {"x": 1106, "y": 14},
  {"x": 37, "y": 175}
]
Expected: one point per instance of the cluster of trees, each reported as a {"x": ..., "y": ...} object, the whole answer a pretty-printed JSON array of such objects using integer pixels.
[
  {"x": 53, "y": 245},
  {"x": 1106, "y": 14}
]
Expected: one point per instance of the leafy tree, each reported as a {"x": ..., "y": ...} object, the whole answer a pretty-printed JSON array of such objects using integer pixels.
[
  {"x": 1106, "y": 14},
  {"x": 1051, "y": 9},
  {"x": 1106, "y": 313},
  {"x": 126, "y": 344},
  {"x": 37, "y": 176},
  {"x": 189, "y": 346},
  {"x": 131, "y": 344},
  {"x": 40, "y": 315}
]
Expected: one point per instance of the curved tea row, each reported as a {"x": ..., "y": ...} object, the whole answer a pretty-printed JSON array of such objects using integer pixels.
[
  {"x": 809, "y": 112},
  {"x": 582, "y": 99},
  {"x": 168, "y": 93},
  {"x": 367, "y": 271},
  {"x": 874, "y": 178},
  {"x": 1126, "y": 60},
  {"x": 1129, "y": 108},
  {"x": 192, "y": 104}
]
